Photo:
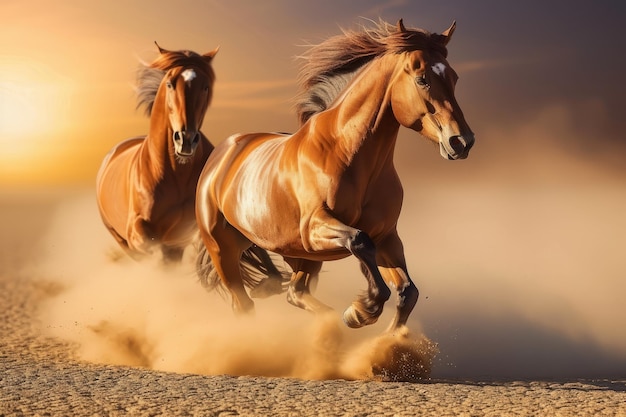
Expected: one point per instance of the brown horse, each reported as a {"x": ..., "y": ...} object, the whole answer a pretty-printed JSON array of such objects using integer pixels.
[
  {"x": 146, "y": 185},
  {"x": 331, "y": 189}
]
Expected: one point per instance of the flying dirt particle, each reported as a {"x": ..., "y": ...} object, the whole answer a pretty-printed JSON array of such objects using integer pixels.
[{"x": 394, "y": 357}]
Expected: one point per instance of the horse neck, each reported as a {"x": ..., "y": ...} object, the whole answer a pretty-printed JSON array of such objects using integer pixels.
[{"x": 363, "y": 125}]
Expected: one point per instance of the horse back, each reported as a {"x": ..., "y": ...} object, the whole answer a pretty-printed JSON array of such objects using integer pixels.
[{"x": 237, "y": 153}]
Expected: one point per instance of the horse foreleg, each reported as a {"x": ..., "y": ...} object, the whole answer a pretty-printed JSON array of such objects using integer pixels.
[
  {"x": 305, "y": 274},
  {"x": 122, "y": 242},
  {"x": 327, "y": 233},
  {"x": 393, "y": 268},
  {"x": 140, "y": 239},
  {"x": 368, "y": 307},
  {"x": 407, "y": 295}
]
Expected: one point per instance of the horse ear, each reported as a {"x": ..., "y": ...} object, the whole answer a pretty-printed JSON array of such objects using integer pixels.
[
  {"x": 447, "y": 34},
  {"x": 161, "y": 50},
  {"x": 211, "y": 54},
  {"x": 401, "y": 27}
]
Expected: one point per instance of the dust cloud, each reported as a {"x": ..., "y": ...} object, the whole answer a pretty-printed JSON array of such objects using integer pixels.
[
  {"x": 118, "y": 311},
  {"x": 518, "y": 253}
]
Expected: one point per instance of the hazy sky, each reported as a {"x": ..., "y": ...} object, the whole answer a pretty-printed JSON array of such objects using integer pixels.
[{"x": 66, "y": 69}]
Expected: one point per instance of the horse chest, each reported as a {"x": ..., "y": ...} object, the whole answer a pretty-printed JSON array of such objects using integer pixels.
[{"x": 358, "y": 198}]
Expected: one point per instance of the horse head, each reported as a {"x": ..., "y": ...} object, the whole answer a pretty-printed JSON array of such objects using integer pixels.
[
  {"x": 188, "y": 84},
  {"x": 422, "y": 95}
]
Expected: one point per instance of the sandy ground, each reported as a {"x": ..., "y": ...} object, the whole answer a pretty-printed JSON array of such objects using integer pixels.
[{"x": 47, "y": 370}]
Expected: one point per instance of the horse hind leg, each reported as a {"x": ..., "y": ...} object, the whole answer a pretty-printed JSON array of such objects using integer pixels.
[
  {"x": 305, "y": 274},
  {"x": 271, "y": 285},
  {"x": 226, "y": 263},
  {"x": 368, "y": 306},
  {"x": 224, "y": 245}
]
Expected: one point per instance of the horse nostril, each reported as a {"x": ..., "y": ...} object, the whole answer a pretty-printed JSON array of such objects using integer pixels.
[
  {"x": 457, "y": 143},
  {"x": 468, "y": 142},
  {"x": 178, "y": 136},
  {"x": 461, "y": 145}
]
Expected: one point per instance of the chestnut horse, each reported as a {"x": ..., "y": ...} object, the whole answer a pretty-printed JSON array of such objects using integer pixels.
[
  {"x": 146, "y": 186},
  {"x": 331, "y": 189}
]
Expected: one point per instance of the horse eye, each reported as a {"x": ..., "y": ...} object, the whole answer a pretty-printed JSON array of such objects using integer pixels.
[
  {"x": 169, "y": 84},
  {"x": 421, "y": 81}
]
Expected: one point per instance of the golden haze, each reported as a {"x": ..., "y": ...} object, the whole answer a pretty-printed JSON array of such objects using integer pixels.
[{"x": 517, "y": 250}]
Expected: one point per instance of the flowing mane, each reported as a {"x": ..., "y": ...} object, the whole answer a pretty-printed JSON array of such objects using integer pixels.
[
  {"x": 149, "y": 76},
  {"x": 329, "y": 66}
]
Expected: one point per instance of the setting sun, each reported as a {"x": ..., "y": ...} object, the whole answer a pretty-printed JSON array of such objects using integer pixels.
[
  {"x": 23, "y": 113},
  {"x": 32, "y": 107}
]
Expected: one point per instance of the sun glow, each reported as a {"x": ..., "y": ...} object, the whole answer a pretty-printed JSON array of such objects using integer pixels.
[
  {"x": 32, "y": 105},
  {"x": 22, "y": 111}
]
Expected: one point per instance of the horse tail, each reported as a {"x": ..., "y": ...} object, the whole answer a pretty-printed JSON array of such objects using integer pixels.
[{"x": 256, "y": 265}]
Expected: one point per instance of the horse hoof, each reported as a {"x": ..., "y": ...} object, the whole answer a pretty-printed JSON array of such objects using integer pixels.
[{"x": 353, "y": 319}]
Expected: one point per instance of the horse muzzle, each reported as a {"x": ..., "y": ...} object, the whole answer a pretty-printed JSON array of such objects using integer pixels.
[
  {"x": 456, "y": 147},
  {"x": 186, "y": 142}
]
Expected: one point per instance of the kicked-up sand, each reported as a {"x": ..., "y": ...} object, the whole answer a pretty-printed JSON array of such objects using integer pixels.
[{"x": 85, "y": 331}]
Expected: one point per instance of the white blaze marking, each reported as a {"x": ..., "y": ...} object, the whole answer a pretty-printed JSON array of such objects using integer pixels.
[
  {"x": 188, "y": 75},
  {"x": 439, "y": 69}
]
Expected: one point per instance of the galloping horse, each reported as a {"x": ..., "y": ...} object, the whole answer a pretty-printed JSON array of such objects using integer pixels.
[
  {"x": 331, "y": 189},
  {"x": 146, "y": 185}
]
